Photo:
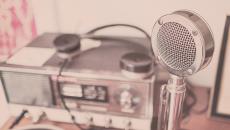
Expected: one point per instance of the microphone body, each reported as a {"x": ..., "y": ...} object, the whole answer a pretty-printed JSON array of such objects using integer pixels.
[
  {"x": 171, "y": 103},
  {"x": 183, "y": 44}
]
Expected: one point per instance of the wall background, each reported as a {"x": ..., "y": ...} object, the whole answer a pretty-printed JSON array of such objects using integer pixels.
[{"x": 81, "y": 15}]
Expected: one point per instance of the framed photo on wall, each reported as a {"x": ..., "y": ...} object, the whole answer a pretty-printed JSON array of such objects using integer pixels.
[{"x": 220, "y": 103}]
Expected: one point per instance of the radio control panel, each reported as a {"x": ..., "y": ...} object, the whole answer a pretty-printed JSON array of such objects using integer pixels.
[
  {"x": 85, "y": 92},
  {"x": 114, "y": 97}
]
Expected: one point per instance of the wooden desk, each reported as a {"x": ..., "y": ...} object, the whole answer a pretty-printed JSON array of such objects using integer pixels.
[
  {"x": 193, "y": 122},
  {"x": 201, "y": 121},
  {"x": 24, "y": 122}
]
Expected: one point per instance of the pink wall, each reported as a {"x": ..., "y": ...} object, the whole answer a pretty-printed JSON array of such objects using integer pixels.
[{"x": 17, "y": 25}]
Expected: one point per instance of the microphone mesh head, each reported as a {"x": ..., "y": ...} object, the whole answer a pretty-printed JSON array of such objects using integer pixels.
[
  {"x": 176, "y": 46},
  {"x": 182, "y": 43}
]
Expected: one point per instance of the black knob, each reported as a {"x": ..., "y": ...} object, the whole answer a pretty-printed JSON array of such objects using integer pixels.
[
  {"x": 136, "y": 62},
  {"x": 67, "y": 43}
]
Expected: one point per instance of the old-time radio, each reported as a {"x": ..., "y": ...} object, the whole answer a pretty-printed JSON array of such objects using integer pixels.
[{"x": 106, "y": 82}]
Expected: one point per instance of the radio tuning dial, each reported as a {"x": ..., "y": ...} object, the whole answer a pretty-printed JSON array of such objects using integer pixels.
[{"x": 128, "y": 100}]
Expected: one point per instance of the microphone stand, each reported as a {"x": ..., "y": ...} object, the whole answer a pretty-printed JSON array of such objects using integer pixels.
[{"x": 171, "y": 103}]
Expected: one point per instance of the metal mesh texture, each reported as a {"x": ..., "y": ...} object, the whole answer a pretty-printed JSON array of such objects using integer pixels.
[{"x": 176, "y": 46}]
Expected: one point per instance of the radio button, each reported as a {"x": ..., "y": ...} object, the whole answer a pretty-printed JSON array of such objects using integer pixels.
[
  {"x": 108, "y": 122},
  {"x": 89, "y": 121},
  {"x": 128, "y": 125}
]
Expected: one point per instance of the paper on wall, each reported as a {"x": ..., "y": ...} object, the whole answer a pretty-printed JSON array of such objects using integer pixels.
[{"x": 31, "y": 56}]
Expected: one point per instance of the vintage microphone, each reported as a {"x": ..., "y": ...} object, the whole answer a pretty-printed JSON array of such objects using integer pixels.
[{"x": 183, "y": 44}]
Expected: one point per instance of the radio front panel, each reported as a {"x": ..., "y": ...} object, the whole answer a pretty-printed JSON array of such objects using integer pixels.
[{"x": 111, "y": 96}]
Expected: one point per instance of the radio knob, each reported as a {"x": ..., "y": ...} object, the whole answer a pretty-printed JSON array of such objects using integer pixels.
[
  {"x": 108, "y": 122},
  {"x": 89, "y": 121},
  {"x": 128, "y": 125},
  {"x": 126, "y": 99}
]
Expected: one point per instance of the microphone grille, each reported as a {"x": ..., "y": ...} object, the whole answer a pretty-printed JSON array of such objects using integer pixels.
[
  {"x": 176, "y": 46},
  {"x": 182, "y": 42}
]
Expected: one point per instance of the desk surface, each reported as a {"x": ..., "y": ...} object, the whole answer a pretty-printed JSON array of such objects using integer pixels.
[{"x": 195, "y": 121}]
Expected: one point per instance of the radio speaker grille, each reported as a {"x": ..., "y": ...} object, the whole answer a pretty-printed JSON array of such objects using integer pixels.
[{"x": 28, "y": 89}]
